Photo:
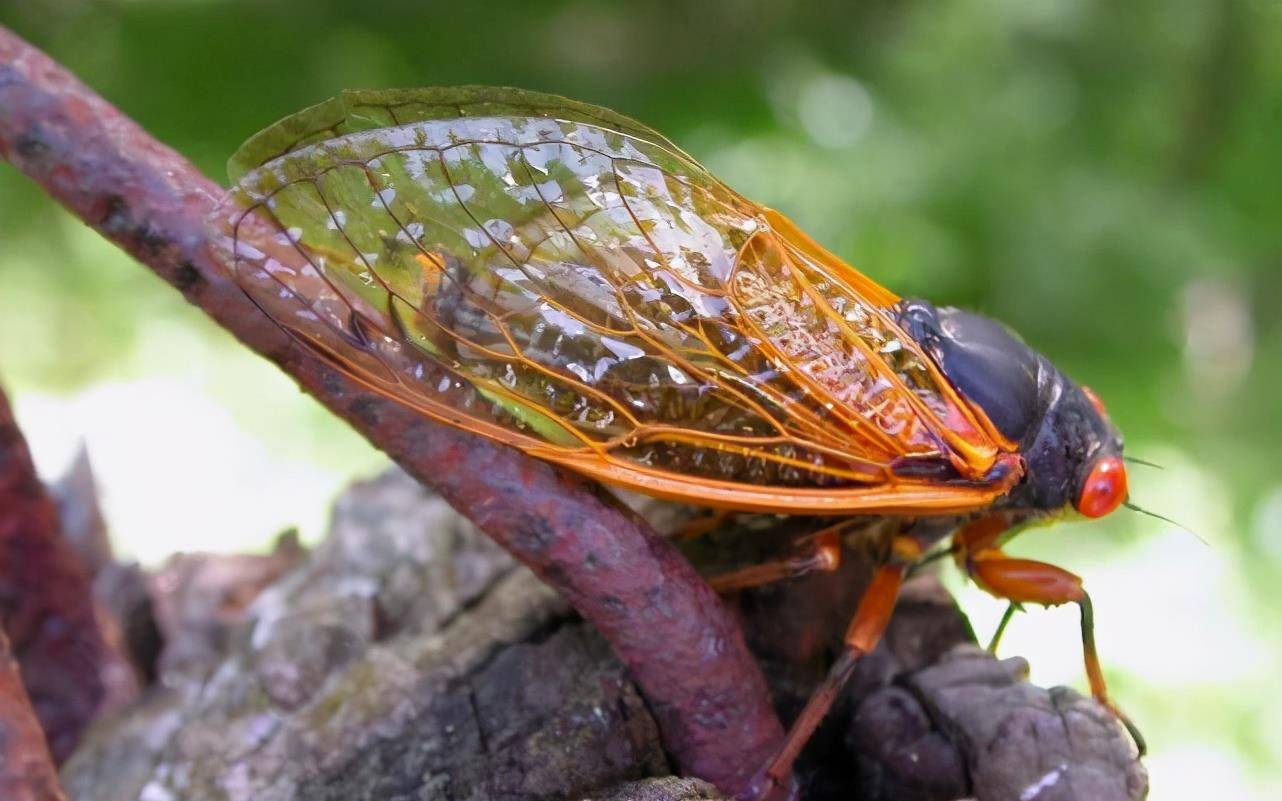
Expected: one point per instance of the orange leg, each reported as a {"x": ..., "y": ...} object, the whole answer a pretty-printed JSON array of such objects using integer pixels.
[
  {"x": 981, "y": 534},
  {"x": 710, "y": 520},
  {"x": 863, "y": 634},
  {"x": 1027, "y": 581},
  {"x": 820, "y": 551}
]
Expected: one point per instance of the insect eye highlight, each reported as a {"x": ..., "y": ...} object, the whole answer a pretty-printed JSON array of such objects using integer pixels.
[{"x": 1104, "y": 489}]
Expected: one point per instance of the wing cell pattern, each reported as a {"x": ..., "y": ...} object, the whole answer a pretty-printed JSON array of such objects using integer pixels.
[{"x": 586, "y": 292}]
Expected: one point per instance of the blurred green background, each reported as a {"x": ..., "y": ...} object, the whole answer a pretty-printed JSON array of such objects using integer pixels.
[{"x": 1105, "y": 177}]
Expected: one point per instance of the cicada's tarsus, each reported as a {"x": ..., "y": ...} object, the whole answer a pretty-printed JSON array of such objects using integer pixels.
[{"x": 566, "y": 280}]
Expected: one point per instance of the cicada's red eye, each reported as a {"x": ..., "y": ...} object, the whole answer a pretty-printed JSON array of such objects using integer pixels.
[
  {"x": 1095, "y": 401},
  {"x": 1105, "y": 488}
]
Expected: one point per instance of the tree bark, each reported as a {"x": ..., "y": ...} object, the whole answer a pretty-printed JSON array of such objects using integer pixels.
[
  {"x": 26, "y": 766},
  {"x": 69, "y": 653},
  {"x": 408, "y": 657}
]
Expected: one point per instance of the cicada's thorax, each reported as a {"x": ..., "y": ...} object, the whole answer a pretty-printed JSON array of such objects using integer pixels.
[{"x": 1061, "y": 431}]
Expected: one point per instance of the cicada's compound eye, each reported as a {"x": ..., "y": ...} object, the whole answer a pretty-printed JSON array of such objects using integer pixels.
[
  {"x": 1095, "y": 401},
  {"x": 1104, "y": 489}
]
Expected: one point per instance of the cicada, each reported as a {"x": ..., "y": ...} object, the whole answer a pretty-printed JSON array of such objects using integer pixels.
[{"x": 563, "y": 279}]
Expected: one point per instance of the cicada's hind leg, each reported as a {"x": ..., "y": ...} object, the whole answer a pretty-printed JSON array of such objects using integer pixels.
[
  {"x": 817, "y": 552},
  {"x": 1027, "y": 581},
  {"x": 865, "y": 631}
]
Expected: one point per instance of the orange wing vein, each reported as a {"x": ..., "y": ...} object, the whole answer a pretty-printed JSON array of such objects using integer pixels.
[{"x": 564, "y": 280}]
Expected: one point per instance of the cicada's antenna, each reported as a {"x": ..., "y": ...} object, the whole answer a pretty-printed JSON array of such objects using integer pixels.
[
  {"x": 1144, "y": 462},
  {"x": 1165, "y": 519}
]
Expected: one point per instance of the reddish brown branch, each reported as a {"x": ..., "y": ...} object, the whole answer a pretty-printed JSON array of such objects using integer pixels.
[
  {"x": 71, "y": 666},
  {"x": 26, "y": 770},
  {"x": 684, "y": 649}
]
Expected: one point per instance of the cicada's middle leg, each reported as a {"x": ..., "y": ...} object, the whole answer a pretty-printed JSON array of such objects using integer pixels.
[{"x": 1021, "y": 581}]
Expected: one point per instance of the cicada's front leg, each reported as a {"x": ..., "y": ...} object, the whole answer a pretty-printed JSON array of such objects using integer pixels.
[{"x": 1024, "y": 581}]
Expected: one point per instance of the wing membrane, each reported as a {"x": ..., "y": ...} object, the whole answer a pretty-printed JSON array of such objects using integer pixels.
[{"x": 563, "y": 279}]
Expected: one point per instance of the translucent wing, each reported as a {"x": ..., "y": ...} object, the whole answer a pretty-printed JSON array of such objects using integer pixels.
[{"x": 563, "y": 279}]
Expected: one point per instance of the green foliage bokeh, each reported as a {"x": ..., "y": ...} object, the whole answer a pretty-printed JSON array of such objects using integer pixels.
[{"x": 1104, "y": 177}]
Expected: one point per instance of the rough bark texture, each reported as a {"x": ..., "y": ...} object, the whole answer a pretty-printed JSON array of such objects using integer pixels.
[
  {"x": 26, "y": 767},
  {"x": 667, "y": 788},
  {"x": 665, "y": 624},
  {"x": 68, "y": 652},
  {"x": 1010, "y": 740},
  {"x": 120, "y": 590},
  {"x": 407, "y": 657}
]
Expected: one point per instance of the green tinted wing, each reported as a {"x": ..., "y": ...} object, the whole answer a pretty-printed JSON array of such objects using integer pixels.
[
  {"x": 563, "y": 279},
  {"x": 370, "y": 109}
]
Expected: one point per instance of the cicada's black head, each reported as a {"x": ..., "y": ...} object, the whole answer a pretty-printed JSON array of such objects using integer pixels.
[{"x": 1072, "y": 453}]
